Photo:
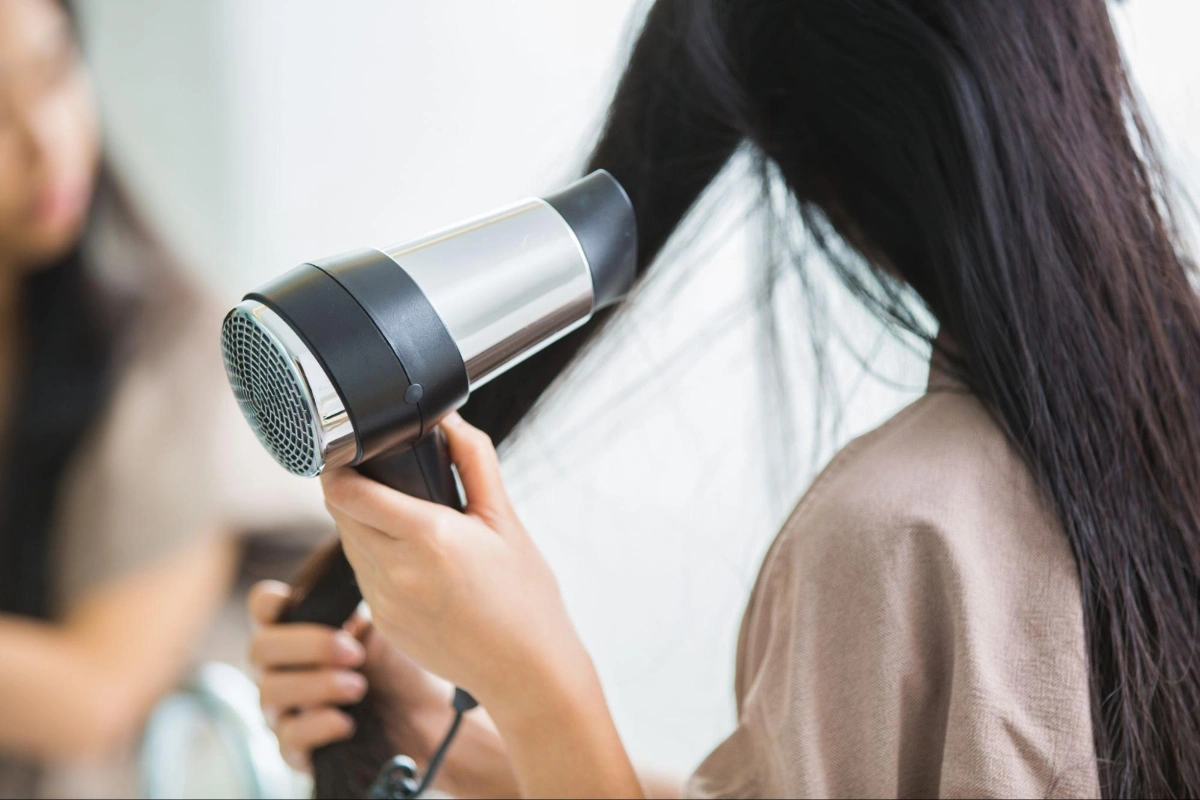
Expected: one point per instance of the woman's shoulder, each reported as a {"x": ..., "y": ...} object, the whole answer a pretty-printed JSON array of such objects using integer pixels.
[
  {"x": 933, "y": 521},
  {"x": 941, "y": 469},
  {"x": 161, "y": 317},
  {"x": 174, "y": 407},
  {"x": 168, "y": 377},
  {"x": 919, "y": 619},
  {"x": 171, "y": 458}
]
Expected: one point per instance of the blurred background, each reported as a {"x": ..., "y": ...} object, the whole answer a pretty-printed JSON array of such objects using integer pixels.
[{"x": 256, "y": 134}]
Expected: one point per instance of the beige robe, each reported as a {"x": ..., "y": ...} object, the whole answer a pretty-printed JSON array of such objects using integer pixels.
[{"x": 916, "y": 629}]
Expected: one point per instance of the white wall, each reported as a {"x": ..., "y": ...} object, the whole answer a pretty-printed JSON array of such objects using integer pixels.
[
  {"x": 163, "y": 80},
  {"x": 265, "y": 133},
  {"x": 1159, "y": 40}
]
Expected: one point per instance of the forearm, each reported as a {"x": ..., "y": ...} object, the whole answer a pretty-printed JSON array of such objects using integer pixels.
[
  {"x": 467, "y": 596},
  {"x": 478, "y": 765},
  {"x": 659, "y": 785},
  {"x": 58, "y": 699},
  {"x": 562, "y": 742},
  {"x": 83, "y": 686}
]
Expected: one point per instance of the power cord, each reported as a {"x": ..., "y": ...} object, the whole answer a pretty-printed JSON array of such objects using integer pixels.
[{"x": 398, "y": 778}]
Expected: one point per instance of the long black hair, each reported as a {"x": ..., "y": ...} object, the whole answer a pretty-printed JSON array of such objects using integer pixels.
[
  {"x": 992, "y": 157},
  {"x": 73, "y": 331},
  {"x": 62, "y": 384},
  {"x": 988, "y": 160}
]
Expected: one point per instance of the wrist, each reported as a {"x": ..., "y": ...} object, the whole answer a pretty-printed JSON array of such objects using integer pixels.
[
  {"x": 428, "y": 726},
  {"x": 563, "y": 689},
  {"x": 561, "y": 738},
  {"x": 477, "y": 764}
]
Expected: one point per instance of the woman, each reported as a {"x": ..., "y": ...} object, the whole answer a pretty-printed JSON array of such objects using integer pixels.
[
  {"x": 995, "y": 593},
  {"x": 123, "y": 463}
]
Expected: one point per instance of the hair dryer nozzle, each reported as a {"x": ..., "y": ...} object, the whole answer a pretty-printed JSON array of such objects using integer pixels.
[{"x": 284, "y": 392}]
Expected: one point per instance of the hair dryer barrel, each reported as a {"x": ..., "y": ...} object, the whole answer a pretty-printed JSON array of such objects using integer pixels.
[
  {"x": 346, "y": 358},
  {"x": 510, "y": 283}
]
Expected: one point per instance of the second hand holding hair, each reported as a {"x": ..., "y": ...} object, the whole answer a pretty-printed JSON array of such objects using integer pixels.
[
  {"x": 468, "y": 596},
  {"x": 309, "y": 672}
]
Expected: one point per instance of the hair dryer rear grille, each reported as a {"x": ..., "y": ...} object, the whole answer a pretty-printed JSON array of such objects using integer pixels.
[{"x": 270, "y": 392}]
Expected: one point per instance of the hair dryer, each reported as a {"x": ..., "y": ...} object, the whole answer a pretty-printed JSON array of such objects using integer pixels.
[{"x": 354, "y": 359}]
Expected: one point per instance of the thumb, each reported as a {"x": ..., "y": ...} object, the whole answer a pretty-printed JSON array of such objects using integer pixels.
[
  {"x": 266, "y": 601},
  {"x": 473, "y": 454}
]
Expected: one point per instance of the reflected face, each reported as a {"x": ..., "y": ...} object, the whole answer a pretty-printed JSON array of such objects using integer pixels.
[{"x": 49, "y": 141}]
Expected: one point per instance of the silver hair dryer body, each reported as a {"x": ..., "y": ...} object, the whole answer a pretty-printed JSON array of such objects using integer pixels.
[{"x": 354, "y": 359}]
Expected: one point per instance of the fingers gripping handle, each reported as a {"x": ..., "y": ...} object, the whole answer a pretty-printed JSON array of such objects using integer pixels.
[
  {"x": 423, "y": 471},
  {"x": 325, "y": 590}
]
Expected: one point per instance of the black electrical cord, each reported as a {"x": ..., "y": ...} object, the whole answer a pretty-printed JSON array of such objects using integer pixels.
[{"x": 398, "y": 778}]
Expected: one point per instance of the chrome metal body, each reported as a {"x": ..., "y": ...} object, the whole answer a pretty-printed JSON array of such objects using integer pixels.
[
  {"x": 505, "y": 285},
  {"x": 268, "y": 387}
]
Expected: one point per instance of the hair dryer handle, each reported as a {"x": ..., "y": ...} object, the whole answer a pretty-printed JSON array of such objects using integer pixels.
[
  {"x": 325, "y": 591},
  {"x": 423, "y": 470}
]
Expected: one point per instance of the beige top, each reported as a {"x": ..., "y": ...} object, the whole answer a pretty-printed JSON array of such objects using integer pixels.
[
  {"x": 172, "y": 459},
  {"x": 916, "y": 629}
]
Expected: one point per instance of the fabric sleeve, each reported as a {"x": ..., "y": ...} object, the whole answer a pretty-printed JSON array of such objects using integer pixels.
[{"x": 883, "y": 657}]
